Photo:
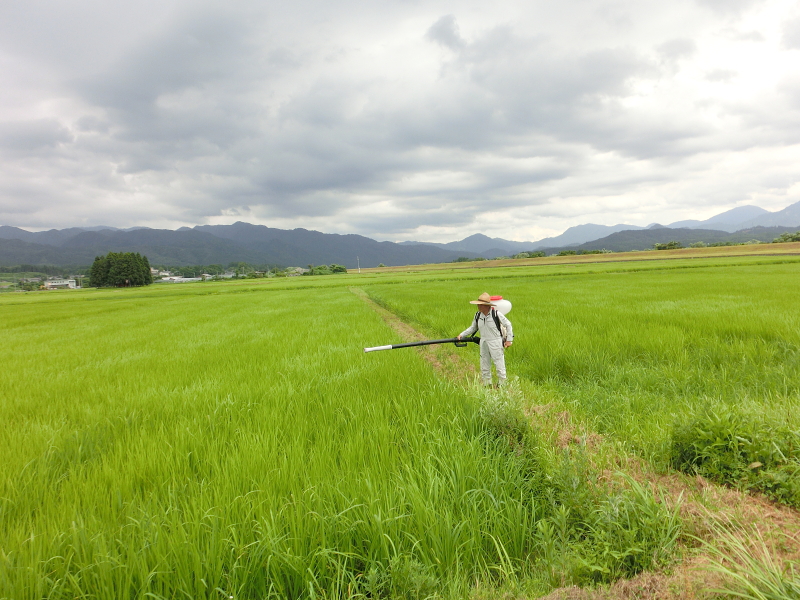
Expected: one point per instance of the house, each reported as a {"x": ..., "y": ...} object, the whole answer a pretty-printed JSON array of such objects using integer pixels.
[
  {"x": 60, "y": 284},
  {"x": 176, "y": 279}
]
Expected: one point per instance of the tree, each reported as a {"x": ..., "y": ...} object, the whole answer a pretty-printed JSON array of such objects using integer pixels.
[
  {"x": 120, "y": 269},
  {"x": 787, "y": 237},
  {"x": 672, "y": 245}
]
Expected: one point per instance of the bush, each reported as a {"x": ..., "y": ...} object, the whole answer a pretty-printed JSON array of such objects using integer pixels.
[
  {"x": 740, "y": 450},
  {"x": 467, "y": 259},
  {"x": 787, "y": 237},
  {"x": 325, "y": 269},
  {"x": 698, "y": 245},
  {"x": 673, "y": 245},
  {"x": 567, "y": 253}
]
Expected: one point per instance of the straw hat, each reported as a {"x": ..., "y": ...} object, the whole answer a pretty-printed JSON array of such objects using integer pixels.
[{"x": 484, "y": 299}]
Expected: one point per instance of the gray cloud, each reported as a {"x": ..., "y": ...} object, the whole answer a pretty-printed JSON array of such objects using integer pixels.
[
  {"x": 35, "y": 136},
  {"x": 445, "y": 32},
  {"x": 379, "y": 119},
  {"x": 729, "y": 7},
  {"x": 677, "y": 49}
]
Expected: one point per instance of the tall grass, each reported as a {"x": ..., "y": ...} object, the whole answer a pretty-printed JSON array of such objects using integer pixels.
[
  {"x": 749, "y": 568},
  {"x": 191, "y": 443}
]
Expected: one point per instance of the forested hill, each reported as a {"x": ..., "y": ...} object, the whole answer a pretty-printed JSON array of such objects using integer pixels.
[
  {"x": 643, "y": 239},
  {"x": 214, "y": 244},
  {"x": 257, "y": 244}
]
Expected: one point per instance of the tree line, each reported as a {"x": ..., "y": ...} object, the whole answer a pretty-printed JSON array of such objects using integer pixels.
[{"x": 51, "y": 270}]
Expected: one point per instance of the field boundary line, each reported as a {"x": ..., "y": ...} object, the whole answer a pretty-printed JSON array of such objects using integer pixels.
[{"x": 445, "y": 360}]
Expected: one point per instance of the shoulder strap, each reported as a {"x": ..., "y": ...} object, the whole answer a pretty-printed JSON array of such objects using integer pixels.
[{"x": 497, "y": 321}]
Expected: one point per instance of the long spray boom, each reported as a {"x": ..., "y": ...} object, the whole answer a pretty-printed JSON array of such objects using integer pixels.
[{"x": 458, "y": 342}]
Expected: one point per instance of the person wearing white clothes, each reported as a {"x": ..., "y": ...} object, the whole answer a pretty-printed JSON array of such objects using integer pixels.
[{"x": 490, "y": 323}]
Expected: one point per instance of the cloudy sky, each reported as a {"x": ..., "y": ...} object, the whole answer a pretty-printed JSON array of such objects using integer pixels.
[{"x": 396, "y": 119}]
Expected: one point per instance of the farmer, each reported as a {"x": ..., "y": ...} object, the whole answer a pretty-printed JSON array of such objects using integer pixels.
[{"x": 489, "y": 322}]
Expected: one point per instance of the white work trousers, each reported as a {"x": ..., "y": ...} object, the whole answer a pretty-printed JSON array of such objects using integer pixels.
[{"x": 493, "y": 351}]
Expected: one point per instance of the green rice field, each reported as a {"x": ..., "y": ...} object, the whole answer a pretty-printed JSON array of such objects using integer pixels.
[{"x": 232, "y": 440}]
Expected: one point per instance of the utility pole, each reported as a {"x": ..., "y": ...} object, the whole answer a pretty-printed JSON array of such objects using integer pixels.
[{"x": 358, "y": 262}]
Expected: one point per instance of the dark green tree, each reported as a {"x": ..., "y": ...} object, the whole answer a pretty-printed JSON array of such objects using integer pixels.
[
  {"x": 787, "y": 237},
  {"x": 120, "y": 269}
]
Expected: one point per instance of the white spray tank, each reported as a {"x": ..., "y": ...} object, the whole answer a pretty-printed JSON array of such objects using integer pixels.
[{"x": 502, "y": 306}]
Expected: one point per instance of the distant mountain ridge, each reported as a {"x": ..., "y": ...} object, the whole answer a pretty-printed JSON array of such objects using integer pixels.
[
  {"x": 643, "y": 239},
  {"x": 213, "y": 244},
  {"x": 258, "y": 244},
  {"x": 736, "y": 219}
]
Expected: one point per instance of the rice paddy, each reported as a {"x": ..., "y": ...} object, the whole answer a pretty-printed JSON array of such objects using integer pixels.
[{"x": 232, "y": 439}]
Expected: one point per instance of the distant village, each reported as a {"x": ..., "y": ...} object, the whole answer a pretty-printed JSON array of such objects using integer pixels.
[
  {"x": 159, "y": 276},
  {"x": 168, "y": 277}
]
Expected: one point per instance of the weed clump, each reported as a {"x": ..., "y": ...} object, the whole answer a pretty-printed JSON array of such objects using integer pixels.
[
  {"x": 744, "y": 451},
  {"x": 588, "y": 532},
  {"x": 404, "y": 578}
]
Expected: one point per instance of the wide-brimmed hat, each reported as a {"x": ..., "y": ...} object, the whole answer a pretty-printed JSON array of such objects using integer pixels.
[{"x": 484, "y": 299}]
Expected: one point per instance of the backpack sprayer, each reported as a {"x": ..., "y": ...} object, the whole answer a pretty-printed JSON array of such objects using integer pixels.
[{"x": 502, "y": 306}]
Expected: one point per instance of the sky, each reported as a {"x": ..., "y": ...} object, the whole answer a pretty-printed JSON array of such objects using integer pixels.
[{"x": 398, "y": 120}]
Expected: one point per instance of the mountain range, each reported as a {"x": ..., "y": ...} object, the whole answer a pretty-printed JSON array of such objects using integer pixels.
[
  {"x": 258, "y": 244},
  {"x": 736, "y": 219},
  {"x": 212, "y": 244}
]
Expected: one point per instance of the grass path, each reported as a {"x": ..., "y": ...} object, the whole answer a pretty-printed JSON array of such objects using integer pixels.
[{"x": 708, "y": 510}]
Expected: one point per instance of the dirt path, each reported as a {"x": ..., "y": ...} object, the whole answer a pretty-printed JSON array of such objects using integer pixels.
[{"x": 706, "y": 508}]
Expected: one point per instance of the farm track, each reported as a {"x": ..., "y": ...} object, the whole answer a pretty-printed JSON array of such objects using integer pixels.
[{"x": 706, "y": 508}]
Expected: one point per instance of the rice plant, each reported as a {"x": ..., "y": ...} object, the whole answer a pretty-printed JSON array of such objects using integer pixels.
[{"x": 233, "y": 441}]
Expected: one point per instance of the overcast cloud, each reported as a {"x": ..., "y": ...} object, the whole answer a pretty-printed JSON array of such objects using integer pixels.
[{"x": 396, "y": 120}]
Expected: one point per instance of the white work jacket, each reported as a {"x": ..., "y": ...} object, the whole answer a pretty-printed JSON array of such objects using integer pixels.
[{"x": 488, "y": 328}]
